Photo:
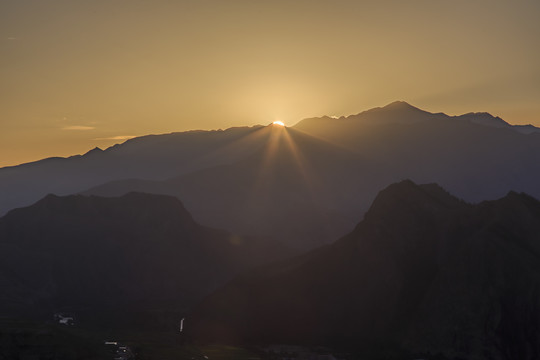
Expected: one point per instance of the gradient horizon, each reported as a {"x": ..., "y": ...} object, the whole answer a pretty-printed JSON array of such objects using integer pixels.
[{"x": 76, "y": 75}]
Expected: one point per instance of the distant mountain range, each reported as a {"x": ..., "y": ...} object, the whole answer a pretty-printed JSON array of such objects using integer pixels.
[
  {"x": 138, "y": 251},
  {"x": 304, "y": 185},
  {"x": 475, "y": 156},
  {"x": 424, "y": 274},
  {"x": 146, "y": 157},
  {"x": 400, "y": 112}
]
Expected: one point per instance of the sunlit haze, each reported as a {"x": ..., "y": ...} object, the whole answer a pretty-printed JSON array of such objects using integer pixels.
[{"x": 80, "y": 74}]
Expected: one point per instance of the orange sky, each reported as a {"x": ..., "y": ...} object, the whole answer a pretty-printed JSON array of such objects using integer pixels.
[{"x": 86, "y": 73}]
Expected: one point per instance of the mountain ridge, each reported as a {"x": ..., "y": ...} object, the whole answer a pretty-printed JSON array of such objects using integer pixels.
[
  {"x": 403, "y": 108},
  {"x": 399, "y": 105},
  {"x": 331, "y": 169}
]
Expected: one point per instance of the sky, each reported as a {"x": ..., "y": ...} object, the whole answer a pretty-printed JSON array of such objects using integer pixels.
[{"x": 75, "y": 74}]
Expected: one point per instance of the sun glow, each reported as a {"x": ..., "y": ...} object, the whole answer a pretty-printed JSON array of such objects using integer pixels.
[{"x": 279, "y": 123}]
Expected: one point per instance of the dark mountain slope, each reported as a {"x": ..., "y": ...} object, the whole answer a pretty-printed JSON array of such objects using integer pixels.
[
  {"x": 296, "y": 188},
  {"x": 423, "y": 272},
  {"x": 137, "y": 251}
]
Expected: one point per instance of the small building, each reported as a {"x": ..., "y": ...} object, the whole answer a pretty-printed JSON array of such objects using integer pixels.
[
  {"x": 64, "y": 319},
  {"x": 120, "y": 351}
]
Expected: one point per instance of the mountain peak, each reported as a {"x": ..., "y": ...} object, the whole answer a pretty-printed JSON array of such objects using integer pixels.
[
  {"x": 409, "y": 187},
  {"x": 400, "y": 105},
  {"x": 484, "y": 118},
  {"x": 397, "y": 112},
  {"x": 96, "y": 150},
  {"x": 134, "y": 205},
  {"x": 515, "y": 197},
  {"x": 405, "y": 195}
]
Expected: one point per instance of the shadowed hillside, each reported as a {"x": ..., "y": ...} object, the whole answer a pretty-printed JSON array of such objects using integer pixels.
[
  {"x": 137, "y": 252},
  {"x": 423, "y": 272}
]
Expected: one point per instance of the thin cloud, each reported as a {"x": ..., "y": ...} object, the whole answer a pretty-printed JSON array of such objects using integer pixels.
[
  {"x": 119, "y": 137},
  {"x": 12, "y": 38},
  {"x": 78, "y": 127}
]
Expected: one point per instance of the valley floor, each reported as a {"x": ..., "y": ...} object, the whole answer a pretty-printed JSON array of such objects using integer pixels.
[{"x": 25, "y": 339}]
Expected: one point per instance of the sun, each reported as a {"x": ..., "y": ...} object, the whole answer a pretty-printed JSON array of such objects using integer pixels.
[{"x": 279, "y": 123}]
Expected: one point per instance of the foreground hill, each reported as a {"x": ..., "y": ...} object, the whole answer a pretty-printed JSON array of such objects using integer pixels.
[
  {"x": 138, "y": 251},
  {"x": 423, "y": 272}
]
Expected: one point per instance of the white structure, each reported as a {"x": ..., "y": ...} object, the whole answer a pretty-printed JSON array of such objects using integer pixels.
[{"x": 64, "y": 319}]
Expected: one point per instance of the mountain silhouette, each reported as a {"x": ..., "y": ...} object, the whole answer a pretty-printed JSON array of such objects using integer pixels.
[
  {"x": 308, "y": 185},
  {"x": 151, "y": 157},
  {"x": 476, "y": 156},
  {"x": 137, "y": 251},
  {"x": 424, "y": 273}
]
